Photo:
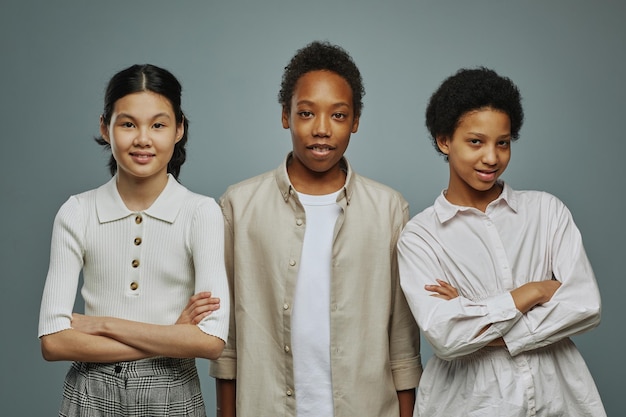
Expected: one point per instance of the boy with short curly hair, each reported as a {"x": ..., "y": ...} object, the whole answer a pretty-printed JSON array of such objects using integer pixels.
[{"x": 319, "y": 325}]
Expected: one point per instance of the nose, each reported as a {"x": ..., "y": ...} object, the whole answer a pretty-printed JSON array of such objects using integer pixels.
[
  {"x": 490, "y": 155},
  {"x": 321, "y": 127},
  {"x": 142, "y": 138}
]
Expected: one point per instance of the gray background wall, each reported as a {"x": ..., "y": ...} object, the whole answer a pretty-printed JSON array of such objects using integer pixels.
[{"x": 567, "y": 56}]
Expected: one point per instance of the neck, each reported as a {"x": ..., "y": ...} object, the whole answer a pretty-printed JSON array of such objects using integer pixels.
[
  {"x": 316, "y": 183},
  {"x": 476, "y": 199},
  {"x": 138, "y": 194}
]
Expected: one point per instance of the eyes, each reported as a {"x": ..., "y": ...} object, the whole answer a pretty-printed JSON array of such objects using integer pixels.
[
  {"x": 305, "y": 114},
  {"x": 131, "y": 125},
  {"x": 503, "y": 143}
]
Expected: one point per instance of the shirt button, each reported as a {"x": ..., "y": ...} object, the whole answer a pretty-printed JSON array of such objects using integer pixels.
[
  {"x": 289, "y": 393},
  {"x": 135, "y": 263},
  {"x": 292, "y": 262},
  {"x": 299, "y": 222},
  {"x": 287, "y": 349},
  {"x": 285, "y": 306},
  {"x": 137, "y": 241},
  {"x": 134, "y": 286},
  {"x": 138, "y": 219}
]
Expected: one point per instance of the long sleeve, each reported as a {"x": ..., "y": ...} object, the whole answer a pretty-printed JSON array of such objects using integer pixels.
[
  {"x": 404, "y": 340},
  {"x": 523, "y": 236},
  {"x": 575, "y": 307},
  {"x": 451, "y": 326},
  {"x": 225, "y": 367}
]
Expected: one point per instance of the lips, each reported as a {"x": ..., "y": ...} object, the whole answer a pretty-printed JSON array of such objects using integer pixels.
[
  {"x": 487, "y": 175},
  {"x": 142, "y": 157},
  {"x": 320, "y": 150}
]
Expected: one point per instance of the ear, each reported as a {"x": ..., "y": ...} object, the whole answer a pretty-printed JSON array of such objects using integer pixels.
[
  {"x": 285, "y": 118},
  {"x": 180, "y": 130},
  {"x": 104, "y": 130},
  {"x": 355, "y": 124},
  {"x": 443, "y": 143}
]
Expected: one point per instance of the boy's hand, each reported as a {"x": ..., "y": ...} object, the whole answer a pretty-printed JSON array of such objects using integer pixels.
[
  {"x": 199, "y": 306},
  {"x": 444, "y": 290}
]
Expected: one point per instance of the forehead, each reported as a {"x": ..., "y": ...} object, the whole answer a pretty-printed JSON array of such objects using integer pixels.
[
  {"x": 321, "y": 84},
  {"x": 143, "y": 102},
  {"x": 484, "y": 116}
]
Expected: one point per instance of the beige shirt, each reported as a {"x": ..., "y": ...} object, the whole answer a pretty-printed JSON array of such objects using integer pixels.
[{"x": 374, "y": 339}]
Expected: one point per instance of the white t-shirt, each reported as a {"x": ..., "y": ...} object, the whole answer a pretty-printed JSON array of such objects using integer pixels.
[{"x": 311, "y": 313}]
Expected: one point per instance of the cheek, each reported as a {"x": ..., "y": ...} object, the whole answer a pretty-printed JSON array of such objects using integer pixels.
[{"x": 505, "y": 157}]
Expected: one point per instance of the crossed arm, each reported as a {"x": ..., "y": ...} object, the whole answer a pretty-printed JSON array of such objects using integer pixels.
[
  {"x": 109, "y": 339},
  {"x": 525, "y": 297}
]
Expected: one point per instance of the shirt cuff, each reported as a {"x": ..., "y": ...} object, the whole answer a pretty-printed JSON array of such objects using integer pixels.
[
  {"x": 225, "y": 367},
  {"x": 406, "y": 373}
]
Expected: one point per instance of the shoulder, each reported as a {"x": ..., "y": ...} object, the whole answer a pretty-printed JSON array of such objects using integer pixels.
[
  {"x": 74, "y": 214},
  {"x": 377, "y": 190},
  {"x": 425, "y": 219},
  {"x": 81, "y": 201},
  {"x": 537, "y": 200},
  {"x": 196, "y": 202},
  {"x": 246, "y": 189}
]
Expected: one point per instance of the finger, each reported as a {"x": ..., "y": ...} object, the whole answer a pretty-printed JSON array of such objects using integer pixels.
[
  {"x": 444, "y": 283},
  {"x": 199, "y": 296},
  {"x": 443, "y": 297},
  {"x": 202, "y": 305},
  {"x": 201, "y": 309},
  {"x": 437, "y": 288},
  {"x": 200, "y": 317}
]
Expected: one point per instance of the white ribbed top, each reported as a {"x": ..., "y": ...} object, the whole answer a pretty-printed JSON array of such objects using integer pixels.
[{"x": 140, "y": 266}]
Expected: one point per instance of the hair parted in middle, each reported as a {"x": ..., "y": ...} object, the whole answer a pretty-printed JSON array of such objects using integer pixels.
[
  {"x": 468, "y": 90},
  {"x": 322, "y": 56},
  {"x": 139, "y": 78}
]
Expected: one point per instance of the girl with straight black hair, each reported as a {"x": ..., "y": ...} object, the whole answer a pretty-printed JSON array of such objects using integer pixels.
[{"x": 145, "y": 245}]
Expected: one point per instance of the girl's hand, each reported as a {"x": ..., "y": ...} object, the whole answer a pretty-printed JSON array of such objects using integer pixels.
[
  {"x": 199, "y": 306},
  {"x": 87, "y": 324},
  {"x": 444, "y": 290}
]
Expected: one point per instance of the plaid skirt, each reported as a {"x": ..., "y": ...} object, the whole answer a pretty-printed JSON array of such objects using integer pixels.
[{"x": 148, "y": 387}]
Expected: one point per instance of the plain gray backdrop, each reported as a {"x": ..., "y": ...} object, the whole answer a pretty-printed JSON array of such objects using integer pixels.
[{"x": 567, "y": 56}]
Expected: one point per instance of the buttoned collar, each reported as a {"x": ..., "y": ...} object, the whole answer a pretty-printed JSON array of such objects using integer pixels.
[
  {"x": 446, "y": 210},
  {"x": 287, "y": 190},
  {"x": 110, "y": 207}
]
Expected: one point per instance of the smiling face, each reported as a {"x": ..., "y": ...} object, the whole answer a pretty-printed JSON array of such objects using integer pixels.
[
  {"x": 478, "y": 153},
  {"x": 321, "y": 120},
  {"x": 142, "y": 134}
]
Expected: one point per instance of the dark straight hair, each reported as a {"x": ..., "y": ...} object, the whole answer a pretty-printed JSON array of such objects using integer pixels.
[{"x": 147, "y": 77}]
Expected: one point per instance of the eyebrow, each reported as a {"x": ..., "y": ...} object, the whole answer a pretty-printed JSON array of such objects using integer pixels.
[
  {"x": 482, "y": 135},
  {"x": 312, "y": 103},
  {"x": 156, "y": 116}
]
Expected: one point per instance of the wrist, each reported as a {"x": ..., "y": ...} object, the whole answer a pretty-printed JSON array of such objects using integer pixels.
[{"x": 105, "y": 326}]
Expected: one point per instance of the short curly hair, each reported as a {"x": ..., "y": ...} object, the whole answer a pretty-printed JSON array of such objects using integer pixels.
[
  {"x": 472, "y": 89},
  {"x": 322, "y": 56}
]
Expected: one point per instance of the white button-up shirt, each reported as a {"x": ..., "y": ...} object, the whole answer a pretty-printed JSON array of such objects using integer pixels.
[
  {"x": 140, "y": 266},
  {"x": 523, "y": 236}
]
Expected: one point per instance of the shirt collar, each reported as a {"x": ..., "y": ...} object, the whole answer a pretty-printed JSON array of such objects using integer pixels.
[
  {"x": 110, "y": 207},
  {"x": 286, "y": 189},
  {"x": 446, "y": 210}
]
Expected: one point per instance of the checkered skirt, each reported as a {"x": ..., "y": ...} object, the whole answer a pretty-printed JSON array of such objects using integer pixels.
[{"x": 147, "y": 387}]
